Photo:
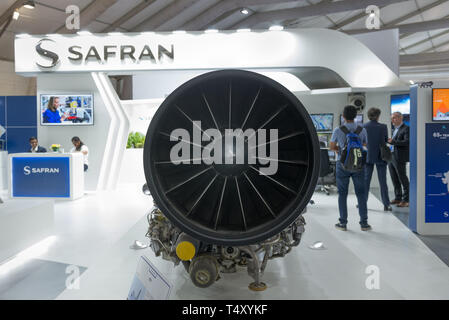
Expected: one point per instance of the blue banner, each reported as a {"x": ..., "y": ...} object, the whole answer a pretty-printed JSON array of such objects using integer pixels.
[
  {"x": 41, "y": 177},
  {"x": 437, "y": 173}
]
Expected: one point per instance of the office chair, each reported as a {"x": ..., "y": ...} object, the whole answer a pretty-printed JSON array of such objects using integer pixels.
[{"x": 325, "y": 169}]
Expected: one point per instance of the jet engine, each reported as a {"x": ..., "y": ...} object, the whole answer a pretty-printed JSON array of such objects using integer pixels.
[{"x": 231, "y": 160}]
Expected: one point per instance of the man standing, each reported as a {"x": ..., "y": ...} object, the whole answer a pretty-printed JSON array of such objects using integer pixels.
[
  {"x": 338, "y": 143},
  {"x": 400, "y": 147},
  {"x": 377, "y": 137},
  {"x": 35, "y": 147}
]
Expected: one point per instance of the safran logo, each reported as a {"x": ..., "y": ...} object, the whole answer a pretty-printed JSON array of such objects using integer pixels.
[
  {"x": 28, "y": 170},
  {"x": 45, "y": 53}
]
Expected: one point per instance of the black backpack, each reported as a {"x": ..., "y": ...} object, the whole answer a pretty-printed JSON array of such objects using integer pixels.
[{"x": 353, "y": 156}]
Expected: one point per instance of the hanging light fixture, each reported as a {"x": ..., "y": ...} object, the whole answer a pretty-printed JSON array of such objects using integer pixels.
[{"x": 29, "y": 4}]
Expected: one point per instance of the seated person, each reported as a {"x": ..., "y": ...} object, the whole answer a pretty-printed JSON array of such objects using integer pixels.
[{"x": 35, "y": 147}]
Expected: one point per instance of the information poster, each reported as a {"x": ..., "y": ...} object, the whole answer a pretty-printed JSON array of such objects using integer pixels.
[
  {"x": 437, "y": 173},
  {"x": 149, "y": 283}
]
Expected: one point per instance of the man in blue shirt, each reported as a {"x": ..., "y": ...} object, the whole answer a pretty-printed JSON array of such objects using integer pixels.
[{"x": 338, "y": 142}]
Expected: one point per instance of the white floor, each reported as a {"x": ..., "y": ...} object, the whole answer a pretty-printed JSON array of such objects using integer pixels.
[{"x": 96, "y": 232}]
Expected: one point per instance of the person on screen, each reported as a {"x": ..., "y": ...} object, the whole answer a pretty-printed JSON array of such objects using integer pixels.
[
  {"x": 400, "y": 146},
  {"x": 377, "y": 137},
  {"x": 35, "y": 147},
  {"x": 79, "y": 146},
  {"x": 51, "y": 115}
]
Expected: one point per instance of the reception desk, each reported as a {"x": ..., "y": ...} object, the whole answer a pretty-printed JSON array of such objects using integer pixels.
[{"x": 46, "y": 175}]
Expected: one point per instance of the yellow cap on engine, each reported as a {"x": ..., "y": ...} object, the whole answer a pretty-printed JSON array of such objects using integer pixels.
[{"x": 185, "y": 250}]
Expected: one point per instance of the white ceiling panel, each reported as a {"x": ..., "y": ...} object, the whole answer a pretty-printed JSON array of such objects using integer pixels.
[
  {"x": 149, "y": 11},
  {"x": 118, "y": 10}
]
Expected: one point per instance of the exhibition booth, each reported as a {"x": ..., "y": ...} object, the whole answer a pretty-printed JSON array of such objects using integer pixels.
[{"x": 326, "y": 70}]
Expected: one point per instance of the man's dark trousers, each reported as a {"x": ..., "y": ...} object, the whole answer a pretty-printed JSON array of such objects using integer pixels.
[
  {"x": 358, "y": 178},
  {"x": 399, "y": 177},
  {"x": 382, "y": 176}
]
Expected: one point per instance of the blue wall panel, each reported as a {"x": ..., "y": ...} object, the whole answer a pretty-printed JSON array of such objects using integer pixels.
[
  {"x": 18, "y": 139},
  {"x": 2, "y": 112},
  {"x": 21, "y": 111}
]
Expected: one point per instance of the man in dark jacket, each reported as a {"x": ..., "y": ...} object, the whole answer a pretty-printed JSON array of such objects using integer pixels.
[
  {"x": 35, "y": 147},
  {"x": 400, "y": 144},
  {"x": 377, "y": 137}
]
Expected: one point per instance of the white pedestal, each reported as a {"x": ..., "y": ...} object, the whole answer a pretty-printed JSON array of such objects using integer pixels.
[
  {"x": 46, "y": 175},
  {"x": 23, "y": 223}
]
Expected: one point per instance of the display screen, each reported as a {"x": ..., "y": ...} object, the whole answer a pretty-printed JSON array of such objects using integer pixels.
[
  {"x": 358, "y": 119},
  {"x": 67, "y": 110},
  {"x": 323, "y": 121},
  {"x": 440, "y": 105},
  {"x": 401, "y": 103},
  {"x": 324, "y": 139}
]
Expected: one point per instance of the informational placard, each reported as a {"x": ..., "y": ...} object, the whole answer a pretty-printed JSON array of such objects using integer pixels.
[
  {"x": 149, "y": 283},
  {"x": 437, "y": 173},
  {"x": 41, "y": 177}
]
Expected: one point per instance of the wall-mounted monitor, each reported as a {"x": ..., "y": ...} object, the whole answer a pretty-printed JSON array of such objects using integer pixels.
[
  {"x": 66, "y": 109},
  {"x": 323, "y": 121},
  {"x": 324, "y": 139},
  {"x": 440, "y": 104},
  {"x": 401, "y": 103},
  {"x": 358, "y": 119}
]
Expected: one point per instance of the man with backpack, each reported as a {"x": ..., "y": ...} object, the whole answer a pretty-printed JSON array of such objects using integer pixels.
[{"x": 348, "y": 141}]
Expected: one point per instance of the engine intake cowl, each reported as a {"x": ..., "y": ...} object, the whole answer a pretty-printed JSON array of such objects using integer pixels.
[{"x": 231, "y": 157}]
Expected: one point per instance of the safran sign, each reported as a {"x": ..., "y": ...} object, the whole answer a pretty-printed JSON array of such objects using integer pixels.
[
  {"x": 40, "y": 177},
  {"x": 91, "y": 53}
]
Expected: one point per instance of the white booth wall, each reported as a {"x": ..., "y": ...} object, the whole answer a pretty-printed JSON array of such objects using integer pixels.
[{"x": 94, "y": 136}]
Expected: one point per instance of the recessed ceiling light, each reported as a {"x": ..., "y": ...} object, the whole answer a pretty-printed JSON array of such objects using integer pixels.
[
  {"x": 276, "y": 28},
  {"x": 16, "y": 15},
  {"x": 412, "y": 82},
  {"x": 84, "y": 33},
  {"x": 244, "y": 11},
  {"x": 29, "y": 4}
]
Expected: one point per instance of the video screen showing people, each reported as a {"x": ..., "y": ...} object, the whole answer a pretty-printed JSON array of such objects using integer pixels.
[
  {"x": 67, "y": 110},
  {"x": 323, "y": 121},
  {"x": 401, "y": 103},
  {"x": 440, "y": 104}
]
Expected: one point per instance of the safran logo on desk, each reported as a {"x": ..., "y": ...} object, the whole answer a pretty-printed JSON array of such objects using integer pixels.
[
  {"x": 28, "y": 170},
  {"x": 47, "y": 49}
]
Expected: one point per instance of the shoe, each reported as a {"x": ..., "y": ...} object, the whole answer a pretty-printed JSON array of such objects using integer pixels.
[
  {"x": 341, "y": 227},
  {"x": 388, "y": 208},
  {"x": 403, "y": 204},
  {"x": 365, "y": 227},
  {"x": 395, "y": 202}
]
